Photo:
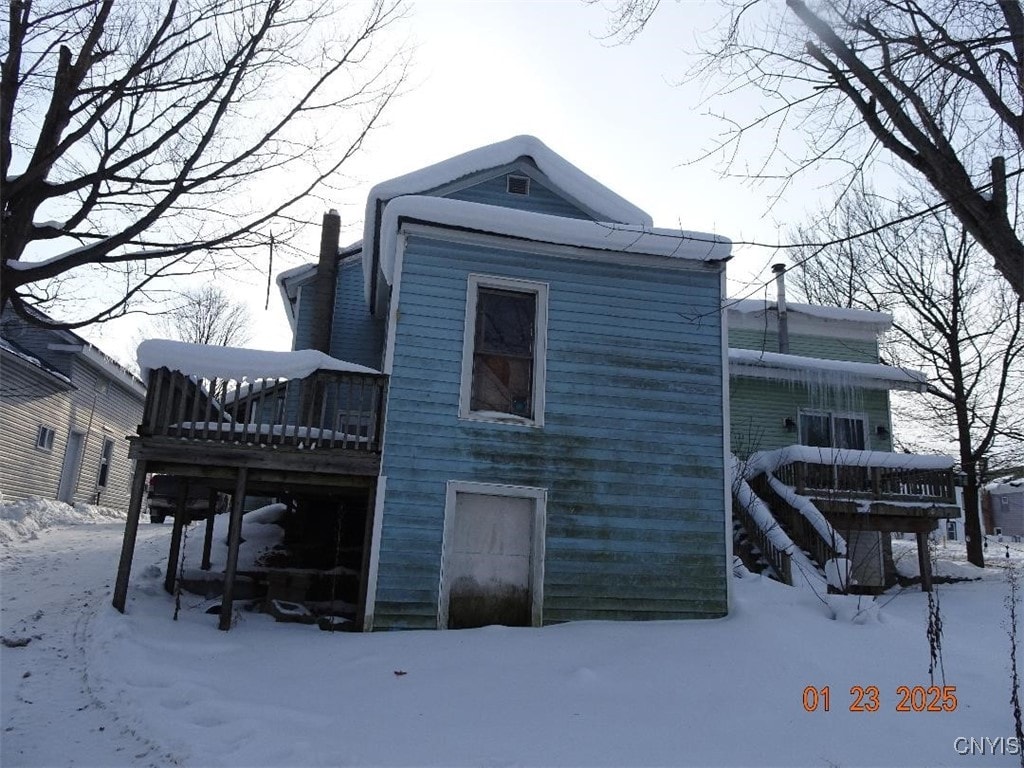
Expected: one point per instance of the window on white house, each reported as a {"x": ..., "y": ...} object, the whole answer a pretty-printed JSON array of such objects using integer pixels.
[
  {"x": 105, "y": 457},
  {"x": 44, "y": 438},
  {"x": 503, "y": 367},
  {"x": 829, "y": 430}
]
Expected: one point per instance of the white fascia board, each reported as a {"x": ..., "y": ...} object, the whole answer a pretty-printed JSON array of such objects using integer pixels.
[{"x": 625, "y": 241}]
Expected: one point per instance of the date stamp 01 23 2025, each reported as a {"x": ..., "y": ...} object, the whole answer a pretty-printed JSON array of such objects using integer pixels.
[{"x": 868, "y": 698}]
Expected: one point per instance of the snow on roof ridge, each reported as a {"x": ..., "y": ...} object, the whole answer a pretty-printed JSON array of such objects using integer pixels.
[
  {"x": 545, "y": 228},
  {"x": 210, "y": 361},
  {"x": 564, "y": 175},
  {"x": 745, "y": 306}
]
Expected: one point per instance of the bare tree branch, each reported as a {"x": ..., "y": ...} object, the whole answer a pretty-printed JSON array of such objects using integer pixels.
[{"x": 175, "y": 137}]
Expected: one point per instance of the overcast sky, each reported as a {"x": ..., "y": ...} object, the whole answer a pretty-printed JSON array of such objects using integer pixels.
[{"x": 484, "y": 71}]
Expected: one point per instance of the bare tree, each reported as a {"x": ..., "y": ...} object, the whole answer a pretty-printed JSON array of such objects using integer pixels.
[
  {"x": 141, "y": 141},
  {"x": 206, "y": 316},
  {"x": 937, "y": 85},
  {"x": 952, "y": 318}
]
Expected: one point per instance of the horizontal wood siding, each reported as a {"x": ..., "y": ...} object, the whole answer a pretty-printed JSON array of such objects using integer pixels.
[
  {"x": 630, "y": 452},
  {"x": 541, "y": 199},
  {"x": 113, "y": 413},
  {"x": 28, "y": 399},
  {"x": 758, "y": 409},
  {"x": 356, "y": 336},
  {"x": 824, "y": 347}
]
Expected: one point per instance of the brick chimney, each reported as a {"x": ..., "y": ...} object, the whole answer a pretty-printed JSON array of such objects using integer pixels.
[{"x": 325, "y": 283}]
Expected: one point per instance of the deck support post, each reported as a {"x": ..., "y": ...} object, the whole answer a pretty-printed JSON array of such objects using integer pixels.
[
  {"x": 208, "y": 535},
  {"x": 924, "y": 562},
  {"x": 234, "y": 540},
  {"x": 174, "y": 553},
  {"x": 364, "y": 568},
  {"x": 131, "y": 531}
]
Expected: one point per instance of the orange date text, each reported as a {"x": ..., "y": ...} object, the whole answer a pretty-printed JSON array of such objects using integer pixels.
[{"x": 868, "y": 698}]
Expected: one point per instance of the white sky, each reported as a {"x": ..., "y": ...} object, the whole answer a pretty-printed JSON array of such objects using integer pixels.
[{"x": 485, "y": 71}]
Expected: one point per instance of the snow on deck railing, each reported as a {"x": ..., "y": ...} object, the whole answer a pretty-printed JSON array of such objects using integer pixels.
[
  {"x": 327, "y": 409},
  {"x": 209, "y": 361},
  {"x": 877, "y": 475}
]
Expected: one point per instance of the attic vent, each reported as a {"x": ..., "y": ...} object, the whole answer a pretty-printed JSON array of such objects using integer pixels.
[{"x": 518, "y": 185}]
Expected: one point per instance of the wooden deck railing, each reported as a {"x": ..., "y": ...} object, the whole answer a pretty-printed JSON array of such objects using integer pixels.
[
  {"x": 797, "y": 527},
  {"x": 779, "y": 559},
  {"x": 867, "y": 482},
  {"x": 325, "y": 411}
]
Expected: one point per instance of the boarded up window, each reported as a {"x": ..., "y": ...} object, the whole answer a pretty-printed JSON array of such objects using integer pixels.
[
  {"x": 488, "y": 570},
  {"x": 503, "y": 352}
]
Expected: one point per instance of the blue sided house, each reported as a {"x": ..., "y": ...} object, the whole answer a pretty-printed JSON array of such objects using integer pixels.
[{"x": 512, "y": 404}]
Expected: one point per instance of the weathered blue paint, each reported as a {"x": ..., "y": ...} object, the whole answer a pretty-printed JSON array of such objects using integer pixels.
[
  {"x": 542, "y": 199},
  {"x": 630, "y": 452},
  {"x": 356, "y": 335}
]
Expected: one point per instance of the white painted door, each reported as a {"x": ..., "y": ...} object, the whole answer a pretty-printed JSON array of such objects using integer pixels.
[
  {"x": 488, "y": 568},
  {"x": 72, "y": 465}
]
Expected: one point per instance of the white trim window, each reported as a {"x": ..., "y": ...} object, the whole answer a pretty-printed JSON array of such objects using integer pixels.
[
  {"x": 44, "y": 438},
  {"x": 504, "y": 350},
  {"x": 825, "y": 429}
]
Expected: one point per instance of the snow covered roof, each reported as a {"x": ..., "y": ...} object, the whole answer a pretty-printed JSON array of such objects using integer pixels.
[
  {"x": 208, "y": 361},
  {"x": 68, "y": 341},
  {"x": 775, "y": 365},
  {"x": 544, "y": 228},
  {"x": 750, "y": 306},
  {"x": 13, "y": 349},
  {"x": 566, "y": 177}
]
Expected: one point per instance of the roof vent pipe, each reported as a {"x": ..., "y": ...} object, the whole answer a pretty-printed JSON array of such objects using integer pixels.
[
  {"x": 780, "y": 287},
  {"x": 324, "y": 285}
]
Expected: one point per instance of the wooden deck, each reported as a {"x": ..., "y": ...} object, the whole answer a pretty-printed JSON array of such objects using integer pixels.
[
  {"x": 896, "y": 490},
  {"x": 327, "y": 423},
  {"x": 259, "y": 435}
]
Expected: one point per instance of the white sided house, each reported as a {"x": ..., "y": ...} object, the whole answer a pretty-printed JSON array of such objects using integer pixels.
[{"x": 65, "y": 411}]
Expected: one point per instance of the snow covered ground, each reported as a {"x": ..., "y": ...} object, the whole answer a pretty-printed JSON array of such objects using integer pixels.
[{"x": 94, "y": 687}]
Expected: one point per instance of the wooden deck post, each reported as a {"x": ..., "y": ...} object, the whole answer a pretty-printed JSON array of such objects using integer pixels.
[
  {"x": 924, "y": 562},
  {"x": 174, "y": 553},
  {"x": 208, "y": 536},
  {"x": 234, "y": 539},
  {"x": 131, "y": 531},
  {"x": 364, "y": 568}
]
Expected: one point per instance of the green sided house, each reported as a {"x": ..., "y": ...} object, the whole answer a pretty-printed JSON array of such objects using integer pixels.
[{"x": 812, "y": 432}]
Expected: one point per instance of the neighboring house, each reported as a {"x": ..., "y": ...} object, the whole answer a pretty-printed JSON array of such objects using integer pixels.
[
  {"x": 65, "y": 410},
  {"x": 1004, "y": 509},
  {"x": 809, "y": 401},
  {"x": 547, "y": 438}
]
